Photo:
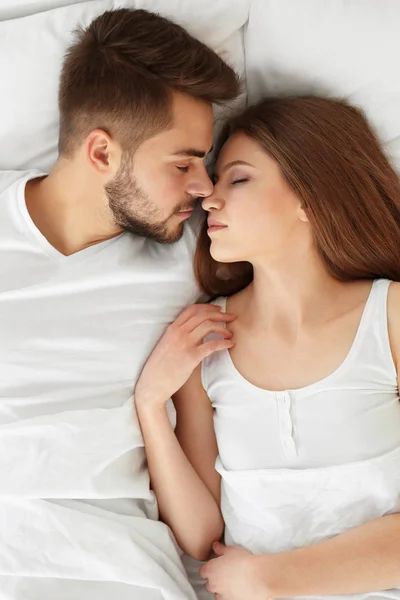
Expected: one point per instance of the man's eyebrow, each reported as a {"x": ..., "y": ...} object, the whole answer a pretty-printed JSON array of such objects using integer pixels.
[{"x": 192, "y": 152}]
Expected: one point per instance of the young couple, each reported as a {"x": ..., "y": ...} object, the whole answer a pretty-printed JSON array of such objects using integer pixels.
[{"x": 285, "y": 385}]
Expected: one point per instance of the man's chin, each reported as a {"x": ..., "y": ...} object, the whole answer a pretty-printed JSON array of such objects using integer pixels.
[
  {"x": 174, "y": 235},
  {"x": 167, "y": 236},
  {"x": 163, "y": 234}
]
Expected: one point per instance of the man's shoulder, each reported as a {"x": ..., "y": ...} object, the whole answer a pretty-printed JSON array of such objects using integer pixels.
[{"x": 9, "y": 178}]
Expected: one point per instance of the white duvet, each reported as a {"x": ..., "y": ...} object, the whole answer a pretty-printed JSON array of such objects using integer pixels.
[
  {"x": 47, "y": 534},
  {"x": 278, "y": 510}
]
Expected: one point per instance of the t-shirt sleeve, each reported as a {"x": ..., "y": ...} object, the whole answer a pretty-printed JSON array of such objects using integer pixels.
[{"x": 8, "y": 178}]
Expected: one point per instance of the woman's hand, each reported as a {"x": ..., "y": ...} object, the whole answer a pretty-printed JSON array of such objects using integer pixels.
[
  {"x": 234, "y": 575},
  {"x": 180, "y": 350}
]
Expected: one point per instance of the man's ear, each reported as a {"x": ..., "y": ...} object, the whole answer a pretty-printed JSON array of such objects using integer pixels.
[{"x": 103, "y": 153}]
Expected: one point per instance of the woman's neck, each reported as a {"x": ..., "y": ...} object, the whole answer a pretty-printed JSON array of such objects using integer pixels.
[{"x": 293, "y": 291}]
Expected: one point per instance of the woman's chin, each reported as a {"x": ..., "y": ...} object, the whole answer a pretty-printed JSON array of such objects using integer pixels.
[{"x": 224, "y": 257}]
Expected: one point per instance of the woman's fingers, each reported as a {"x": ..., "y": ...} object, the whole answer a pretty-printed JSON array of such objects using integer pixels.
[
  {"x": 205, "y": 329},
  {"x": 196, "y": 320},
  {"x": 193, "y": 310},
  {"x": 212, "y": 346},
  {"x": 181, "y": 349}
]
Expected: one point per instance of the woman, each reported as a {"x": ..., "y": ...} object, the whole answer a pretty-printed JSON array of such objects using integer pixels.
[{"x": 296, "y": 399}]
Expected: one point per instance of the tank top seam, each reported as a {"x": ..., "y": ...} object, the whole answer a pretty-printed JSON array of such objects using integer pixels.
[{"x": 325, "y": 470}]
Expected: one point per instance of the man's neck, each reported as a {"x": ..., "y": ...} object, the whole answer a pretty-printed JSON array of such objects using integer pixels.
[{"x": 69, "y": 210}]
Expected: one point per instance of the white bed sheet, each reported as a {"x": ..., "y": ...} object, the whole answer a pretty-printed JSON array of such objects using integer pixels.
[{"x": 346, "y": 49}]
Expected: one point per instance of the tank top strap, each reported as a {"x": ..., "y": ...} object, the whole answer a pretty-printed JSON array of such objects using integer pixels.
[
  {"x": 220, "y": 301},
  {"x": 373, "y": 335},
  {"x": 206, "y": 363},
  {"x": 375, "y": 311}
]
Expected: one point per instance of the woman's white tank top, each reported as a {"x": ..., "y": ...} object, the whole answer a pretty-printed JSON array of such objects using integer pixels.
[{"x": 352, "y": 414}]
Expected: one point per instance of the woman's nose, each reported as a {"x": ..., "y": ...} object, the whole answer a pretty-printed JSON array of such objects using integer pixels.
[{"x": 213, "y": 202}]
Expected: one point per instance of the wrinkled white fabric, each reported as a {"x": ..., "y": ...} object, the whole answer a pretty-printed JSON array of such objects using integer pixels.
[
  {"x": 277, "y": 510},
  {"x": 281, "y": 509},
  {"x": 43, "y": 534}
]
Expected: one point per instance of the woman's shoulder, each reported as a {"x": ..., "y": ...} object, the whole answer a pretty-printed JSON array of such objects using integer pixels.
[
  {"x": 394, "y": 300},
  {"x": 393, "y": 310}
]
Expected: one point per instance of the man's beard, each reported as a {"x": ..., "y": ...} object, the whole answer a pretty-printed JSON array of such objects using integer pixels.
[{"x": 133, "y": 210}]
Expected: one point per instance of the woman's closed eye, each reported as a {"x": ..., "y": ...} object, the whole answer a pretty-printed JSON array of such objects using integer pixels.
[
  {"x": 239, "y": 180},
  {"x": 183, "y": 169}
]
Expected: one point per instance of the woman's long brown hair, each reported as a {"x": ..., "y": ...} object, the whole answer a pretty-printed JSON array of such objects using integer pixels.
[{"x": 334, "y": 163}]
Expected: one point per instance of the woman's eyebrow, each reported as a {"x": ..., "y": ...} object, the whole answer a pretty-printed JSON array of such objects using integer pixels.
[
  {"x": 229, "y": 165},
  {"x": 235, "y": 163}
]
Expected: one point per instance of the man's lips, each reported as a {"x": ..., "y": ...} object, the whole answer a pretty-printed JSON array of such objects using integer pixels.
[{"x": 185, "y": 213}]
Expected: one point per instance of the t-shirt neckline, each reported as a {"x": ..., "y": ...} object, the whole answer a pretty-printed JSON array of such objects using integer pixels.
[{"x": 35, "y": 233}]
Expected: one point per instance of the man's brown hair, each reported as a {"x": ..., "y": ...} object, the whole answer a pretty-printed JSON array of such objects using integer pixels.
[
  {"x": 119, "y": 74},
  {"x": 333, "y": 161}
]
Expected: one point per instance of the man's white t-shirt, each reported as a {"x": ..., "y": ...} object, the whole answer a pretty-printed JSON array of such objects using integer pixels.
[{"x": 75, "y": 332}]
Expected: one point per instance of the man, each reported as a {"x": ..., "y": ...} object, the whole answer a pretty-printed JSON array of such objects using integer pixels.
[{"x": 95, "y": 261}]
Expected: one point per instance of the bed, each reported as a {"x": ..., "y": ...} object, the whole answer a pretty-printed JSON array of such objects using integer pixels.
[{"x": 340, "y": 48}]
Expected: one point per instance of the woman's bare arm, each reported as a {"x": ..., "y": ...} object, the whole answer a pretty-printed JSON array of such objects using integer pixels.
[
  {"x": 196, "y": 435},
  {"x": 183, "y": 477},
  {"x": 182, "y": 468}
]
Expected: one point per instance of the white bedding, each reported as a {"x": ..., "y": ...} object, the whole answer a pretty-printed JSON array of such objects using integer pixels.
[
  {"x": 85, "y": 454},
  {"x": 278, "y": 510},
  {"x": 348, "y": 49}
]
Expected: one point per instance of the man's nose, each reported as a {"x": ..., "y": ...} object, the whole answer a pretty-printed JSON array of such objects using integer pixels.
[{"x": 201, "y": 186}]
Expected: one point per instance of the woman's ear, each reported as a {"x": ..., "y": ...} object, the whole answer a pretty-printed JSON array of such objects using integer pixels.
[{"x": 303, "y": 214}]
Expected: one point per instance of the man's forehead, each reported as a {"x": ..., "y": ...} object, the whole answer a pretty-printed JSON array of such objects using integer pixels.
[
  {"x": 189, "y": 135},
  {"x": 192, "y": 116},
  {"x": 186, "y": 143}
]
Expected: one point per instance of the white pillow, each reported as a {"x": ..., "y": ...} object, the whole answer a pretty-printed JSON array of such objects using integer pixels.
[
  {"x": 343, "y": 49},
  {"x": 11, "y": 9},
  {"x": 31, "y": 52}
]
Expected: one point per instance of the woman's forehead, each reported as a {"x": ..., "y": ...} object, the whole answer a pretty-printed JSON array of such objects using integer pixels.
[{"x": 240, "y": 147}]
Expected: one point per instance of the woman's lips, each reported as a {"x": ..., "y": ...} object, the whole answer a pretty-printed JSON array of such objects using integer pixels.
[{"x": 214, "y": 225}]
